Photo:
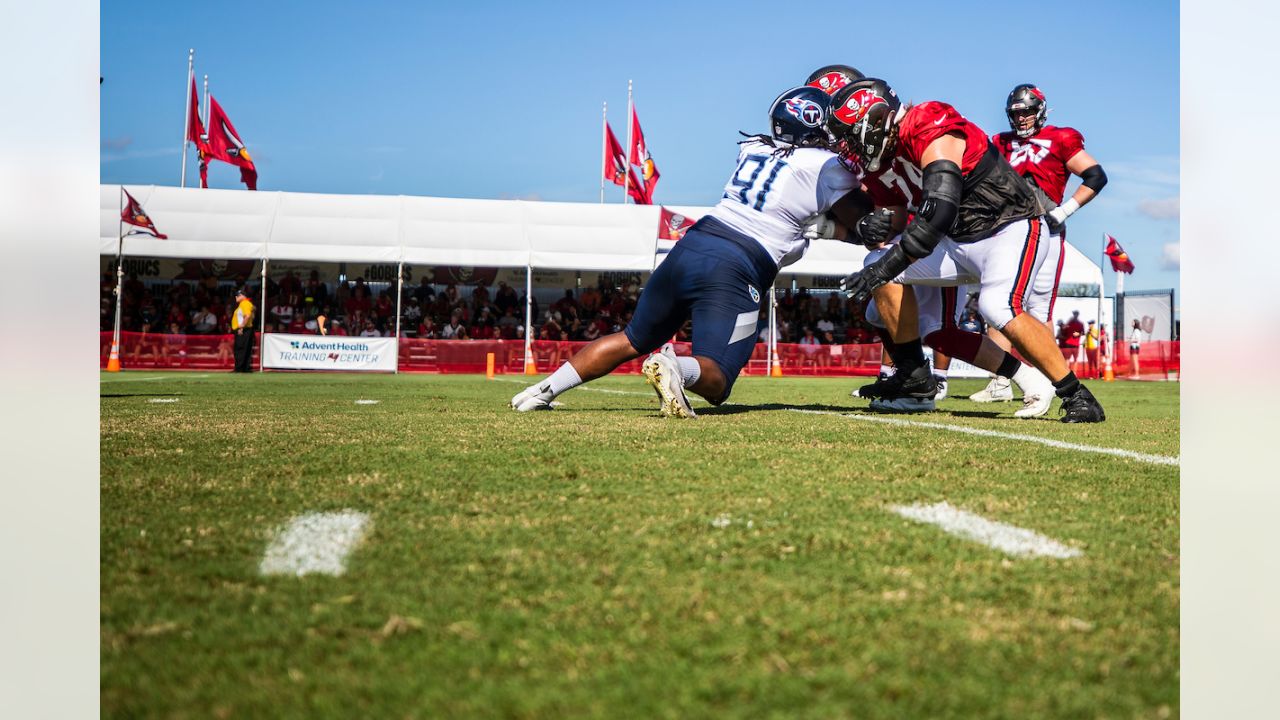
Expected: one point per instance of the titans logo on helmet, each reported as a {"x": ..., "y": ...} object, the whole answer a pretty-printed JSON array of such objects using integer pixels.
[{"x": 806, "y": 111}]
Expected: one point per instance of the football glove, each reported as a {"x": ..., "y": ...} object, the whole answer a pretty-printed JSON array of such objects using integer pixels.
[
  {"x": 818, "y": 226},
  {"x": 875, "y": 228},
  {"x": 860, "y": 285}
]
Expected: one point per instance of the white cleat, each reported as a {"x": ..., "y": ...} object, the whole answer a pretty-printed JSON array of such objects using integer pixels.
[
  {"x": 530, "y": 399},
  {"x": 998, "y": 390},
  {"x": 942, "y": 389},
  {"x": 1037, "y": 392},
  {"x": 663, "y": 374}
]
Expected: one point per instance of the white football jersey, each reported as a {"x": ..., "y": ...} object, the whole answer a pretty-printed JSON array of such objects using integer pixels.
[{"x": 768, "y": 195}]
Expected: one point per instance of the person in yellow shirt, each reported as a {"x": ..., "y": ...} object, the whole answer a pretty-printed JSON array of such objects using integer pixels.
[
  {"x": 242, "y": 328},
  {"x": 1091, "y": 349}
]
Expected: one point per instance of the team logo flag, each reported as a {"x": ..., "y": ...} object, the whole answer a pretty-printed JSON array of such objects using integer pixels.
[
  {"x": 640, "y": 157},
  {"x": 616, "y": 170},
  {"x": 224, "y": 144},
  {"x": 673, "y": 225},
  {"x": 133, "y": 214},
  {"x": 1120, "y": 261}
]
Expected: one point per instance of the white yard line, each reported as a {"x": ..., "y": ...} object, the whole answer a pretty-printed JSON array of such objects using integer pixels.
[
  {"x": 1061, "y": 445},
  {"x": 367, "y": 402},
  {"x": 1009, "y": 539},
  {"x": 315, "y": 543},
  {"x": 154, "y": 377},
  {"x": 163, "y": 400}
]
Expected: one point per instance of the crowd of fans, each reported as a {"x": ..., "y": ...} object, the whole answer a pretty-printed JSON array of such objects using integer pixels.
[{"x": 445, "y": 312}]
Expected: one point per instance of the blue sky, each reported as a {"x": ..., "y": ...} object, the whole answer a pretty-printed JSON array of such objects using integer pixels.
[{"x": 503, "y": 99}]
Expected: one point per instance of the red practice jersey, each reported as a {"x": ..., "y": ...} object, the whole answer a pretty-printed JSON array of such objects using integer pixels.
[
  {"x": 899, "y": 182},
  {"x": 1042, "y": 157}
]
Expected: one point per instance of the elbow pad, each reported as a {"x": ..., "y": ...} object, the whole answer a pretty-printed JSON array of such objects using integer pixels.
[
  {"x": 1094, "y": 178},
  {"x": 938, "y": 211}
]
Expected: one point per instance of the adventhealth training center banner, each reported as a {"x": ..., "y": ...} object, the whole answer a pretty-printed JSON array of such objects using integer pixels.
[{"x": 319, "y": 352}]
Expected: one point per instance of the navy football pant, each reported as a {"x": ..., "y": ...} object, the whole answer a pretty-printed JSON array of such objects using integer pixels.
[{"x": 718, "y": 282}]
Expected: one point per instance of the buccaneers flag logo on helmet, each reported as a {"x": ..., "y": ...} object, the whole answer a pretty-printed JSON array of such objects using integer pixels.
[{"x": 858, "y": 105}]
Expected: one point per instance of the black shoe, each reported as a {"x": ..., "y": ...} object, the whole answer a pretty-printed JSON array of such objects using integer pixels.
[
  {"x": 919, "y": 385},
  {"x": 883, "y": 384},
  {"x": 1081, "y": 407}
]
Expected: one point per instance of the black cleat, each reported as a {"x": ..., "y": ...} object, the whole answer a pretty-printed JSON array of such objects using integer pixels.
[
  {"x": 912, "y": 392},
  {"x": 1081, "y": 407},
  {"x": 883, "y": 384}
]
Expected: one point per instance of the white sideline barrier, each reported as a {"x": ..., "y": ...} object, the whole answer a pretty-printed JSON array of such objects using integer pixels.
[{"x": 322, "y": 352}]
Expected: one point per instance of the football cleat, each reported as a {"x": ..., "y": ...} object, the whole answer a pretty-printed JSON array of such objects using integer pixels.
[
  {"x": 903, "y": 405},
  {"x": 876, "y": 389},
  {"x": 1081, "y": 407},
  {"x": 663, "y": 374},
  {"x": 1037, "y": 392},
  {"x": 913, "y": 393},
  {"x": 531, "y": 398},
  {"x": 942, "y": 388},
  {"x": 998, "y": 390}
]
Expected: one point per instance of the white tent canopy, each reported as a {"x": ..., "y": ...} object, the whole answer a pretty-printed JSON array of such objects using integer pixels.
[{"x": 229, "y": 224}]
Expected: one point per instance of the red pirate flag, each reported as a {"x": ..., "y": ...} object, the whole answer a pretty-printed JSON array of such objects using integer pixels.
[
  {"x": 673, "y": 225},
  {"x": 1119, "y": 258},
  {"x": 133, "y": 214},
  {"x": 616, "y": 170},
  {"x": 196, "y": 134},
  {"x": 640, "y": 157},
  {"x": 225, "y": 145}
]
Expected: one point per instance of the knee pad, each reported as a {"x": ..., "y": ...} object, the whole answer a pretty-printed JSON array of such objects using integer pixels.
[{"x": 955, "y": 342}]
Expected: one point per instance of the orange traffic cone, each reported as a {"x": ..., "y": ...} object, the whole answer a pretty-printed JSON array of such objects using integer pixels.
[
  {"x": 113, "y": 362},
  {"x": 530, "y": 368},
  {"x": 777, "y": 366},
  {"x": 488, "y": 366},
  {"x": 1107, "y": 374}
]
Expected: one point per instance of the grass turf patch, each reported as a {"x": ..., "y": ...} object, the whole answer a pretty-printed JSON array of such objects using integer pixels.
[{"x": 598, "y": 560}]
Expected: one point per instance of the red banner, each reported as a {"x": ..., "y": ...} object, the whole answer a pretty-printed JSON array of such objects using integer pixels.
[
  {"x": 673, "y": 225},
  {"x": 133, "y": 214},
  {"x": 640, "y": 157},
  {"x": 1120, "y": 261},
  {"x": 225, "y": 145}
]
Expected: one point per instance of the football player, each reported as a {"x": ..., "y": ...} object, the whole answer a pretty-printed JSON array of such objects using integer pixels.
[
  {"x": 720, "y": 268},
  {"x": 1046, "y": 155},
  {"x": 977, "y": 221}
]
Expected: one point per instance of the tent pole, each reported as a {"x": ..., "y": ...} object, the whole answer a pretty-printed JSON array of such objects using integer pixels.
[
  {"x": 772, "y": 345},
  {"x": 113, "y": 362},
  {"x": 262, "y": 315},
  {"x": 529, "y": 367},
  {"x": 399, "y": 294}
]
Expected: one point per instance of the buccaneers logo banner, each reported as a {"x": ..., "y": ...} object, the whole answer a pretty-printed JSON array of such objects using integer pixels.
[{"x": 133, "y": 214}]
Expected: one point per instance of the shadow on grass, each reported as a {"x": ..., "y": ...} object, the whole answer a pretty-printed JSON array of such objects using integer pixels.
[{"x": 127, "y": 395}]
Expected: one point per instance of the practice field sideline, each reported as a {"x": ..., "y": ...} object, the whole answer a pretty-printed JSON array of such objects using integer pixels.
[{"x": 273, "y": 547}]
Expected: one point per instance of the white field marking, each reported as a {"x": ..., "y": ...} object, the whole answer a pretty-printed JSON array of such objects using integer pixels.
[
  {"x": 1131, "y": 455},
  {"x": 367, "y": 402},
  {"x": 315, "y": 543},
  {"x": 692, "y": 398},
  {"x": 1009, "y": 539},
  {"x": 163, "y": 400},
  {"x": 154, "y": 377}
]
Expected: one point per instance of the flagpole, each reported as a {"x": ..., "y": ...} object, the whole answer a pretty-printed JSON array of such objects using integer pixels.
[
  {"x": 626, "y": 180},
  {"x": 113, "y": 361},
  {"x": 186, "y": 114},
  {"x": 530, "y": 367},
  {"x": 206, "y": 102},
  {"x": 604, "y": 144}
]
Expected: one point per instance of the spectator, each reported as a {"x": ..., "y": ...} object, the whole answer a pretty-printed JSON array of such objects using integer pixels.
[
  {"x": 205, "y": 322},
  {"x": 1075, "y": 330},
  {"x": 383, "y": 310},
  {"x": 242, "y": 328},
  {"x": 454, "y": 328},
  {"x": 1135, "y": 347},
  {"x": 175, "y": 346},
  {"x": 809, "y": 338},
  {"x": 337, "y": 327},
  {"x": 282, "y": 312},
  {"x": 412, "y": 313},
  {"x": 825, "y": 325},
  {"x": 506, "y": 298},
  {"x": 316, "y": 291},
  {"x": 297, "y": 325},
  {"x": 1091, "y": 349},
  {"x": 369, "y": 330},
  {"x": 507, "y": 324},
  {"x": 566, "y": 305},
  {"x": 427, "y": 329},
  {"x": 424, "y": 293}
]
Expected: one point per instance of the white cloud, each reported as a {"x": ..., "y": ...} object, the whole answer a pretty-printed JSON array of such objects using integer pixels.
[
  {"x": 1171, "y": 257},
  {"x": 1165, "y": 209}
]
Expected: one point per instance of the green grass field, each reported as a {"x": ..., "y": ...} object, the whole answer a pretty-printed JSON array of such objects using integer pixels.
[{"x": 601, "y": 561}]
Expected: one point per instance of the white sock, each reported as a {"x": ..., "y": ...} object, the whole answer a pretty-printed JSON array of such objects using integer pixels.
[
  {"x": 690, "y": 370},
  {"x": 566, "y": 378},
  {"x": 942, "y": 374},
  {"x": 888, "y": 370}
]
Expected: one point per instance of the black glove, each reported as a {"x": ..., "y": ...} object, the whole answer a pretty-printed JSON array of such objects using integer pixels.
[
  {"x": 862, "y": 284},
  {"x": 875, "y": 228}
]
